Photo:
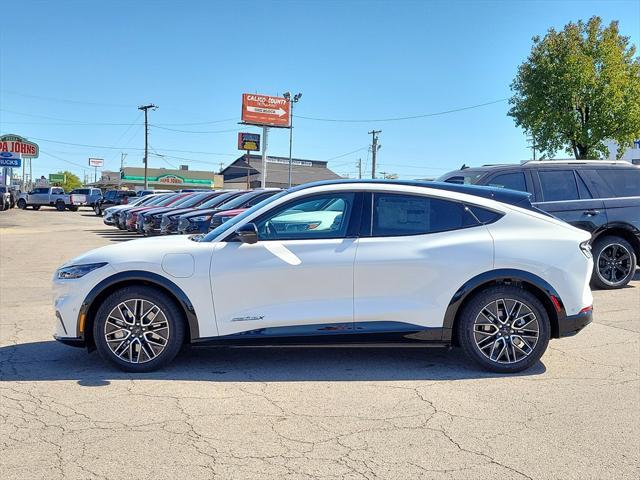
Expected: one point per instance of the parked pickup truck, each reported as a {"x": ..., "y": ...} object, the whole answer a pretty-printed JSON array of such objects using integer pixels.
[
  {"x": 51, "y": 197},
  {"x": 93, "y": 195}
]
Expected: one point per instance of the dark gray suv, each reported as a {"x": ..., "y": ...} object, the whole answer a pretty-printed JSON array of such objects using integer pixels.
[{"x": 600, "y": 196}]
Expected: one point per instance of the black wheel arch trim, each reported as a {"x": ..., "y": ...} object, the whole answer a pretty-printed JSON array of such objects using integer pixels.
[
  {"x": 503, "y": 275},
  {"x": 631, "y": 233},
  {"x": 128, "y": 276}
]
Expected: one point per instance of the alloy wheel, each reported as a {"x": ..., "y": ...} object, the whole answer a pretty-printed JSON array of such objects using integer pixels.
[
  {"x": 614, "y": 264},
  {"x": 506, "y": 331},
  {"x": 136, "y": 331}
]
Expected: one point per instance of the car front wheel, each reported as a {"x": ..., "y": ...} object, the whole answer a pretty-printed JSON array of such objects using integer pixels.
[
  {"x": 138, "y": 329},
  {"x": 504, "y": 329},
  {"x": 22, "y": 204},
  {"x": 614, "y": 262},
  {"x": 97, "y": 210}
]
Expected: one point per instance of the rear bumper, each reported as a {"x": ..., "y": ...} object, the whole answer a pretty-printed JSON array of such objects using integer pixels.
[{"x": 572, "y": 324}]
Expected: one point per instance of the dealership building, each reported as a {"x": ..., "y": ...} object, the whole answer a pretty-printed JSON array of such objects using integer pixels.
[
  {"x": 160, "y": 178},
  {"x": 246, "y": 172}
]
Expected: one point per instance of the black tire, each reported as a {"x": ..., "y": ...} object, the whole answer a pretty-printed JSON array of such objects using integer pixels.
[
  {"x": 36, "y": 207},
  {"x": 97, "y": 210},
  {"x": 507, "y": 336},
  {"x": 614, "y": 262},
  {"x": 175, "y": 329},
  {"x": 22, "y": 203},
  {"x": 60, "y": 206}
]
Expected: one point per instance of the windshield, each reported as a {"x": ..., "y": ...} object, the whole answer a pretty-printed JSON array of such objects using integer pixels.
[
  {"x": 160, "y": 199},
  {"x": 193, "y": 199},
  {"x": 461, "y": 177},
  {"x": 229, "y": 224},
  {"x": 245, "y": 200},
  {"x": 214, "y": 202}
]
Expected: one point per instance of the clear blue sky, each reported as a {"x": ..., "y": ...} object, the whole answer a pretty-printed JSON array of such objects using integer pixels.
[{"x": 68, "y": 66}]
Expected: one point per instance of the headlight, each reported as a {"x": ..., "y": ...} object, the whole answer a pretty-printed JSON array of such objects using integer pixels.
[
  {"x": 202, "y": 218},
  {"x": 77, "y": 271}
]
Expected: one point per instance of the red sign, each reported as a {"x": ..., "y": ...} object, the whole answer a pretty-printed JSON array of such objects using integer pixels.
[
  {"x": 16, "y": 144},
  {"x": 265, "y": 110}
]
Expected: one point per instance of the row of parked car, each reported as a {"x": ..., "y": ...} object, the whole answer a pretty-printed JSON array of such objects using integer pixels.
[{"x": 181, "y": 212}]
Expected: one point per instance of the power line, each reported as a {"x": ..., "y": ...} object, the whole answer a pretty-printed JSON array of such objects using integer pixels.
[
  {"x": 201, "y": 131},
  {"x": 128, "y": 148},
  {"x": 348, "y": 153},
  {"x": 411, "y": 117},
  {"x": 64, "y": 100}
]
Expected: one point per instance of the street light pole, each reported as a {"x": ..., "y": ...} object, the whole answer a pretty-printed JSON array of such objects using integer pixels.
[{"x": 291, "y": 101}]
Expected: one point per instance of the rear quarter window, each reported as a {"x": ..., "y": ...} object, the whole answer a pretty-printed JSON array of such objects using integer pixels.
[{"x": 620, "y": 182}]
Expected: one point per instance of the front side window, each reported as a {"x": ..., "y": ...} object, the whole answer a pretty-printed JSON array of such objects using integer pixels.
[
  {"x": 558, "y": 185},
  {"x": 512, "y": 181},
  {"x": 317, "y": 216},
  {"x": 57, "y": 191},
  {"x": 395, "y": 215}
]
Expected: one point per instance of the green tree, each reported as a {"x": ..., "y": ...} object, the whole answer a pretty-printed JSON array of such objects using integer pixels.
[
  {"x": 579, "y": 87},
  {"x": 71, "y": 181}
]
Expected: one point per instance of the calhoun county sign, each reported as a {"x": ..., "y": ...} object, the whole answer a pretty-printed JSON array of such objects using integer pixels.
[{"x": 15, "y": 144}]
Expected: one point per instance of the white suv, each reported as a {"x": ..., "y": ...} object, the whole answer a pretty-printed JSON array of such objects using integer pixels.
[{"x": 340, "y": 262}]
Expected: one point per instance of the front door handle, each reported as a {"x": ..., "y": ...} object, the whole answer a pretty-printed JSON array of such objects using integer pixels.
[{"x": 591, "y": 213}]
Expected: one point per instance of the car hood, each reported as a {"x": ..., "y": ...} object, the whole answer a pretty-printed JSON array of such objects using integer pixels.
[
  {"x": 197, "y": 213},
  {"x": 157, "y": 211},
  {"x": 179, "y": 211},
  {"x": 125, "y": 255}
]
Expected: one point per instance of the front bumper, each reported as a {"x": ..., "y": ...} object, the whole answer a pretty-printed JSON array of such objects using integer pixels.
[
  {"x": 572, "y": 324},
  {"x": 71, "y": 341}
]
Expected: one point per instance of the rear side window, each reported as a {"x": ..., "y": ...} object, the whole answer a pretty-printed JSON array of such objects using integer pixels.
[
  {"x": 395, "y": 215},
  {"x": 484, "y": 215},
  {"x": 558, "y": 185},
  {"x": 512, "y": 181},
  {"x": 57, "y": 191},
  {"x": 623, "y": 182}
]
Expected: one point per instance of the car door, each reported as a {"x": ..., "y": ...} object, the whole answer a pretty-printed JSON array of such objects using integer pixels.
[
  {"x": 414, "y": 253},
  {"x": 297, "y": 279},
  {"x": 40, "y": 196},
  {"x": 566, "y": 196}
]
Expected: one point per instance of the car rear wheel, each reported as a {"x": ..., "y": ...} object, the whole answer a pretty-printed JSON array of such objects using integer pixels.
[
  {"x": 614, "y": 262},
  {"x": 22, "y": 203},
  {"x": 138, "y": 329},
  {"x": 60, "y": 206},
  {"x": 97, "y": 210},
  {"x": 504, "y": 329}
]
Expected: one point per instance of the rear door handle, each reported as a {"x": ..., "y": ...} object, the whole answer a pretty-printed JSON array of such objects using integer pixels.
[{"x": 591, "y": 213}]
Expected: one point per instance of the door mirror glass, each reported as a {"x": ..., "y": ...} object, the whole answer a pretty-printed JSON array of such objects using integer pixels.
[{"x": 248, "y": 233}]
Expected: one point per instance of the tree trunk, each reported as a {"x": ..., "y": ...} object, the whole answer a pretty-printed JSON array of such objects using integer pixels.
[{"x": 582, "y": 152}]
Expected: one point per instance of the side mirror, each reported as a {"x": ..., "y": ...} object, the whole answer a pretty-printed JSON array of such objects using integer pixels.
[{"x": 248, "y": 233}]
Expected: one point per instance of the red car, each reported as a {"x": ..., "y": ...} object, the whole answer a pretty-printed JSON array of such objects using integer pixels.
[{"x": 132, "y": 215}]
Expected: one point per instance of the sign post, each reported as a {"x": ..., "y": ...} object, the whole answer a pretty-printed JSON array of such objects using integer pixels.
[
  {"x": 265, "y": 111},
  {"x": 95, "y": 163}
]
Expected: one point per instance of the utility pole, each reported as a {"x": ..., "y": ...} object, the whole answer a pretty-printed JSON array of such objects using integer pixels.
[
  {"x": 359, "y": 168},
  {"x": 291, "y": 101},
  {"x": 374, "y": 150},
  {"x": 145, "y": 109},
  {"x": 122, "y": 157},
  {"x": 265, "y": 133}
]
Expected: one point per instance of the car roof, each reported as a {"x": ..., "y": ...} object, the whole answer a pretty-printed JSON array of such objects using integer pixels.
[{"x": 504, "y": 195}]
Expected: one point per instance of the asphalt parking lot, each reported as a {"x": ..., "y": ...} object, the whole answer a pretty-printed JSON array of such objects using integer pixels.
[{"x": 356, "y": 413}]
